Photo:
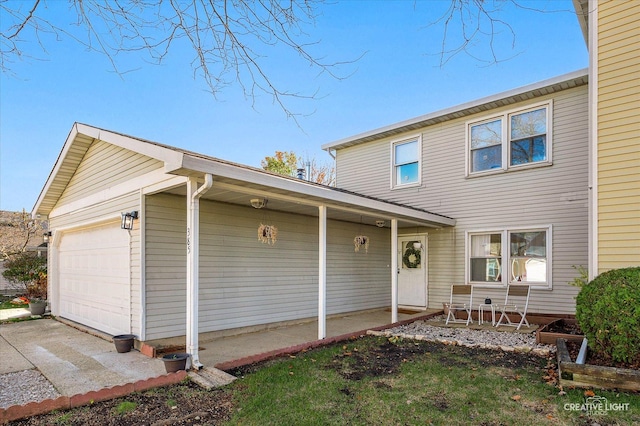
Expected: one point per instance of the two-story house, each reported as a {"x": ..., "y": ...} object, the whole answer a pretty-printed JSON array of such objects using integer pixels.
[
  {"x": 519, "y": 187},
  {"x": 512, "y": 169}
]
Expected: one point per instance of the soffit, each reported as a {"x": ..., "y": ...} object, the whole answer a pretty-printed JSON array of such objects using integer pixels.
[
  {"x": 582, "y": 13},
  {"x": 527, "y": 93}
]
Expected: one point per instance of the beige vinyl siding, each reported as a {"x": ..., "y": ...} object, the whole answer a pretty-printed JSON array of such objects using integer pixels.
[
  {"x": 618, "y": 135},
  {"x": 244, "y": 282},
  {"x": 520, "y": 198},
  {"x": 105, "y": 165}
]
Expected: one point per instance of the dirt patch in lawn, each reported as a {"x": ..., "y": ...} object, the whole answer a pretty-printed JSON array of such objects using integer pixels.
[{"x": 386, "y": 359}]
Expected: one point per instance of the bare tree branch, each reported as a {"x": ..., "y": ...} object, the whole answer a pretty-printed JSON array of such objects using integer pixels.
[
  {"x": 475, "y": 28},
  {"x": 230, "y": 40},
  {"x": 18, "y": 231}
]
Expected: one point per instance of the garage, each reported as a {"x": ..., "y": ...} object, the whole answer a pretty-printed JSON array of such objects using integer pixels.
[{"x": 95, "y": 285}]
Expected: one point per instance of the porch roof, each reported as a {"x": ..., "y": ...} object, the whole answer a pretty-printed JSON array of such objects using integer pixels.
[{"x": 234, "y": 183}]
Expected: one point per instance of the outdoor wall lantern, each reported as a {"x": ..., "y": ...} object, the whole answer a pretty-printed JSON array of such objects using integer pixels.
[
  {"x": 380, "y": 223},
  {"x": 47, "y": 236},
  {"x": 127, "y": 220}
]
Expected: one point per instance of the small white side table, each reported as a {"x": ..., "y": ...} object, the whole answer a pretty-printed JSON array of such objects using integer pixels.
[{"x": 481, "y": 310}]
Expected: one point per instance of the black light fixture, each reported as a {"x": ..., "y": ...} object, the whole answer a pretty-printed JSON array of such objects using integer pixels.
[
  {"x": 127, "y": 220},
  {"x": 47, "y": 236}
]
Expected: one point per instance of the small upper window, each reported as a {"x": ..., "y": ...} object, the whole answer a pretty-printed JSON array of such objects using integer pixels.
[
  {"x": 406, "y": 163},
  {"x": 513, "y": 139},
  {"x": 528, "y": 137},
  {"x": 486, "y": 145}
]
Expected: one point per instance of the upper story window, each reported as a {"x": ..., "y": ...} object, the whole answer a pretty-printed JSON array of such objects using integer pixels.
[
  {"x": 406, "y": 162},
  {"x": 511, "y": 140}
]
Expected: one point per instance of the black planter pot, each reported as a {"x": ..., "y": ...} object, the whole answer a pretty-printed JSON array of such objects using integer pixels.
[
  {"x": 123, "y": 342},
  {"x": 175, "y": 362},
  {"x": 38, "y": 308}
]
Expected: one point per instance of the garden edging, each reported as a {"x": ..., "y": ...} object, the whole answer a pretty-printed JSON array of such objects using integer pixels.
[
  {"x": 16, "y": 412},
  {"x": 593, "y": 376}
]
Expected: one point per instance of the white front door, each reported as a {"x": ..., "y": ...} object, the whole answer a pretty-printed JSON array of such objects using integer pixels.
[{"x": 412, "y": 271}]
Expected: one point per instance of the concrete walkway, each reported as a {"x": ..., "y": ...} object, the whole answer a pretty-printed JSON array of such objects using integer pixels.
[
  {"x": 75, "y": 362},
  {"x": 6, "y": 314}
]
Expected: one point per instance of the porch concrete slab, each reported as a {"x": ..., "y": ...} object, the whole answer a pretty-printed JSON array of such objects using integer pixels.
[
  {"x": 76, "y": 362},
  {"x": 225, "y": 349}
]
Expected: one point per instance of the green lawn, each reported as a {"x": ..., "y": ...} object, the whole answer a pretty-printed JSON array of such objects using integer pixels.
[
  {"x": 370, "y": 381},
  {"x": 375, "y": 380}
]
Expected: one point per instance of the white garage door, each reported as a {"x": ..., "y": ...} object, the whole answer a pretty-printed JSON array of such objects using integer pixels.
[{"x": 94, "y": 278}]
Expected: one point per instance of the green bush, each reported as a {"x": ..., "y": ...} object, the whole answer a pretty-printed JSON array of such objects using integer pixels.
[
  {"x": 608, "y": 312},
  {"x": 29, "y": 272}
]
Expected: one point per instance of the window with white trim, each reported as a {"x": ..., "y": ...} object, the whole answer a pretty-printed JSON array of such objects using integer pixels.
[
  {"x": 406, "y": 162},
  {"x": 502, "y": 257},
  {"x": 510, "y": 140}
]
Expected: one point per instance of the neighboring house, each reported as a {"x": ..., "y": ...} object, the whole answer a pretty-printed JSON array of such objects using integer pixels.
[
  {"x": 612, "y": 32},
  {"x": 512, "y": 169},
  {"x": 193, "y": 262}
]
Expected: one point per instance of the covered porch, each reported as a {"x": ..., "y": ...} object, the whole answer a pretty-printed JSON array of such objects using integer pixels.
[{"x": 229, "y": 351}]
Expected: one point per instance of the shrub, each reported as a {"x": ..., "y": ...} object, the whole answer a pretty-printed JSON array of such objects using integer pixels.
[
  {"x": 608, "y": 312},
  {"x": 29, "y": 272}
]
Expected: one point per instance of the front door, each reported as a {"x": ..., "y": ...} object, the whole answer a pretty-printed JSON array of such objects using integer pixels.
[{"x": 412, "y": 271}]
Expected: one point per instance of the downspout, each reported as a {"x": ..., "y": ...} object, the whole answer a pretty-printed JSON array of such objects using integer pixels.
[
  {"x": 593, "y": 233},
  {"x": 322, "y": 272},
  {"x": 193, "y": 268},
  {"x": 330, "y": 154}
]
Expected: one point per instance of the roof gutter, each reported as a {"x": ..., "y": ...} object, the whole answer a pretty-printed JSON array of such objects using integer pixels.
[{"x": 193, "y": 267}]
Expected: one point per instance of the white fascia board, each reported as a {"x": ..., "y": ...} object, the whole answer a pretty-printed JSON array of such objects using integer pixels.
[
  {"x": 142, "y": 147},
  {"x": 327, "y": 195},
  {"x": 458, "y": 108}
]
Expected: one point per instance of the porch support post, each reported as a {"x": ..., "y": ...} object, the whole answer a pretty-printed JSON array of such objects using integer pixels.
[
  {"x": 394, "y": 270},
  {"x": 193, "y": 251},
  {"x": 322, "y": 272}
]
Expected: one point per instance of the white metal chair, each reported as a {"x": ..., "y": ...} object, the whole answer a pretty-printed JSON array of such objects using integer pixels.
[
  {"x": 519, "y": 306},
  {"x": 460, "y": 300}
]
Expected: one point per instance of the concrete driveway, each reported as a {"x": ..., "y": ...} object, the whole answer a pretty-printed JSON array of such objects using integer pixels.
[{"x": 75, "y": 362}]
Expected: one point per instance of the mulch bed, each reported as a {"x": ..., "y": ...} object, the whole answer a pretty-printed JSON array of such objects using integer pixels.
[
  {"x": 599, "y": 359},
  {"x": 593, "y": 358}
]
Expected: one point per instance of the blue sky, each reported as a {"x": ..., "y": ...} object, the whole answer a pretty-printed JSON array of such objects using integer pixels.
[{"x": 399, "y": 77}]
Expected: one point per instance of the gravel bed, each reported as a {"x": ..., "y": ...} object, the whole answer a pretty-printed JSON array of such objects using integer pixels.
[
  {"x": 463, "y": 336},
  {"x": 23, "y": 387}
]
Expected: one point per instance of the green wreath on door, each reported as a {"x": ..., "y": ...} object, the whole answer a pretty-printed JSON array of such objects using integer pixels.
[{"x": 409, "y": 254}]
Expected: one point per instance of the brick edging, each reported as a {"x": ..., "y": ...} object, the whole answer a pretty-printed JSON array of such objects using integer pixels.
[
  {"x": 30, "y": 409},
  {"x": 241, "y": 362}
]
